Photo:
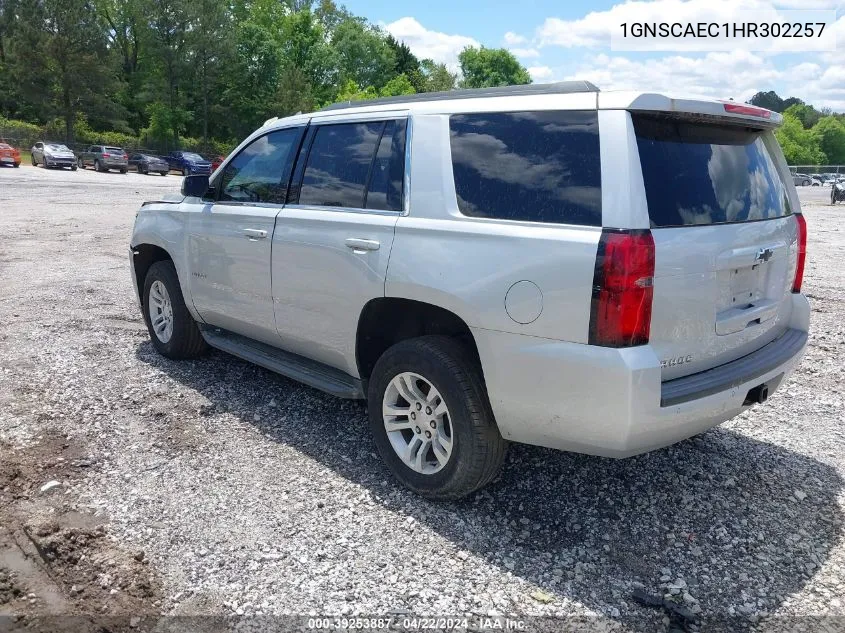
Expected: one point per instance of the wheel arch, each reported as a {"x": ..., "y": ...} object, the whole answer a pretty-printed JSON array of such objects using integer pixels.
[
  {"x": 385, "y": 321},
  {"x": 144, "y": 256}
]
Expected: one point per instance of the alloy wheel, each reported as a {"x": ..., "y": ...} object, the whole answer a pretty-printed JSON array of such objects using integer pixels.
[
  {"x": 161, "y": 311},
  {"x": 418, "y": 423}
]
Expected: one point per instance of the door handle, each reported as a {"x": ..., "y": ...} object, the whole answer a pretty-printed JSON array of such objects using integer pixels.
[
  {"x": 255, "y": 234},
  {"x": 360, "y": 246}
]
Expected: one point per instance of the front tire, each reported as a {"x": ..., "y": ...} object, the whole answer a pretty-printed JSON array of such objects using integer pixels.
[
  {"x": 173, "y": 331},
  {"x": 73, "y": 167},
  {"x": 184, "y": 171},
  {"x": 80, "y": 163},
  {"x": 34, "y": 162},
  {"x": 431, "y": 419}
]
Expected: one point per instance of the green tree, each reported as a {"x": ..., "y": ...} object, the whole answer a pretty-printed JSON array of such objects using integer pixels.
[
  {"x": 399, "y": 85},
  {"x": 127, "y": 34},
  {"x": 208, "y": 42},
  {"x": 169, "y": 22},
  {"x": 807, "y": 114},
  {"x": 488, "y": 67},
  {"x": 800, "y": 146},
  {"x": 831, "y": 135},
  {"x": 252, "y": 78},
  {"x": 436, "y": 77},
  {"x": 76, "y": 60},
  {"x": 363, "y": 54}
]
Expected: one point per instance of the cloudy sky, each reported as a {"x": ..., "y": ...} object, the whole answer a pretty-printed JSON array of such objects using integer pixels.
[{"x": 567, "y": 40}]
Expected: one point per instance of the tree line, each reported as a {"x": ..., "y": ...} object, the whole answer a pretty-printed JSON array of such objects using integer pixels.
[
  {"x": 808, "y": 136},
  {"x": 165, "y": 72}
]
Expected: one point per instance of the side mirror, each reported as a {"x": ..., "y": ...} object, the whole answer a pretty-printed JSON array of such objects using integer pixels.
[{"x": 195, "y": 186}]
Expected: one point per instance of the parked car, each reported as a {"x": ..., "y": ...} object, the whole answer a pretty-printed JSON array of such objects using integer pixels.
[
  {"x": 104, "y": 158},
  {"x": 52, "y": 155},
  {"x": 9, "y": 155},
  {"x": 802, "y": 180},
  {"x": 188, "y": 163},
  {"x": 480, "y": 280},
  {"x": 146, "y": 163}
]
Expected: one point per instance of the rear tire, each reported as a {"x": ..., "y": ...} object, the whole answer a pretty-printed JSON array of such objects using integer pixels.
[
  {"x": 163, "y": 173},
  {"x": 17, "y": 164},
  {"x": 73, "y": 167},
  {"x": 34, "y": 162},
  {"x": 475, "y": 448},
  {"x": 97, "y": 166},
  {"x": 123, "y": 170},
  {"x": 80, "y": 163},
  {"x": 184, "y": 171},
  {"x": 183, "y": 339}
]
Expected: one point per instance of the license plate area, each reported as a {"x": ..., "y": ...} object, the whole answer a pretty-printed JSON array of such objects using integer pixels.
[
  {"x": 747, "y": 295},
  {"x": 746, "y": 285}
]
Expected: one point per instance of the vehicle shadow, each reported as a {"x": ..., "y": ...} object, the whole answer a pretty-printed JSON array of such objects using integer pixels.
[{"x": 719, "y": 511}]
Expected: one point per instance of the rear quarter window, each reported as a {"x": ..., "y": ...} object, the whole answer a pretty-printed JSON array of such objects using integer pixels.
[
  {"x": 700, "y": 173},
  {"x": 533, "y": 166}
]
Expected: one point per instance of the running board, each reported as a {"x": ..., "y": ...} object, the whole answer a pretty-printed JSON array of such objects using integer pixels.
[{"x": 299, "y": 368}]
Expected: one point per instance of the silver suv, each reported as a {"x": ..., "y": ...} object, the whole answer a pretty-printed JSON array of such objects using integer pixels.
[{"x": 605, "y": 273}]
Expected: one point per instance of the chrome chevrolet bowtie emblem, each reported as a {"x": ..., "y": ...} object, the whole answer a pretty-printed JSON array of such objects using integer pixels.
[{"x": 764, "y": 255}]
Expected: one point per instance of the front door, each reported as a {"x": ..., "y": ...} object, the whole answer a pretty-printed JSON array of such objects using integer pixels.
[
  {"x": 230, "y": 240},
  {"x": 331, "y": 248}
]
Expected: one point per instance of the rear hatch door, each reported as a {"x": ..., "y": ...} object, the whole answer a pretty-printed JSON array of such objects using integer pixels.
[{"x": 725, "y": 239}]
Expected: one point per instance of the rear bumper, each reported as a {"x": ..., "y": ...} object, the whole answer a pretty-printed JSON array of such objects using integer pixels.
[{"x": 604, "y": 401}]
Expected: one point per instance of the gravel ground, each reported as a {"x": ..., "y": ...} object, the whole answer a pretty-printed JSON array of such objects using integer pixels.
[{"x": 215, "y": 487}]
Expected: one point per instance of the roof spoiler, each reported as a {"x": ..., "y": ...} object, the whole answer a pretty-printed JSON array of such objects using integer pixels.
[{"x": 710, "y": 109}]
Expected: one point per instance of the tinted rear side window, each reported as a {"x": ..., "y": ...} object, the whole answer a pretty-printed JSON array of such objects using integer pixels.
[
  {"x": 697, "y": 173},
  {"x": 388, "y": 171},
  {"x": 339, "y": 164},
  {"x": 535, "y": 166}
]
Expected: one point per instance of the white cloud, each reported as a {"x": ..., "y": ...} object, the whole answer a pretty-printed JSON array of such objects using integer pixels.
[
  {"x": 596, "y": 28},
  {"x": 525, "y": 52},
  {"x": 736, "y": 75},
  {"x": 539, "y": 73},
  {"x": 441, "y": 47},
  {"x": 513, "y": 39}
]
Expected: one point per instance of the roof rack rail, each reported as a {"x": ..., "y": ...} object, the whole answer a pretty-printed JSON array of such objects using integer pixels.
[{"x": 561, "y": 87}]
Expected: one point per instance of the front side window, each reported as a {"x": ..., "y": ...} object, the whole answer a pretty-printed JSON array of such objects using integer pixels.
[
  {"x": 260, "y": 172},
  {"x": 535, "y": 166},
  {"x": 339, "y": 164}
]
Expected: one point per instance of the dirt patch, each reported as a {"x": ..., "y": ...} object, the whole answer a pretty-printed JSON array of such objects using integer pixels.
[{"x": 59, "y": 568}]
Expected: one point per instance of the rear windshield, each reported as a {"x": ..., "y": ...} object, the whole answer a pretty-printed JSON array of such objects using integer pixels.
[
  {"x": 113, "y": 149},
  {"x": 698, "y": 173}
]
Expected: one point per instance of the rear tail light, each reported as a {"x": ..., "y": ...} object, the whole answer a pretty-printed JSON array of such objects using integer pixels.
[
  {"x": 125, "y": 157},
  {"x": 802, "y": 252},
  {"x": 623, "y": 288}
]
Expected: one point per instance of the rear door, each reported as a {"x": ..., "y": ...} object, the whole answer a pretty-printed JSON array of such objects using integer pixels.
[
  {"x": 230, "y": 240},
  {"x": 720, "y": 207},
  {"x": 331, "y": 246}
]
